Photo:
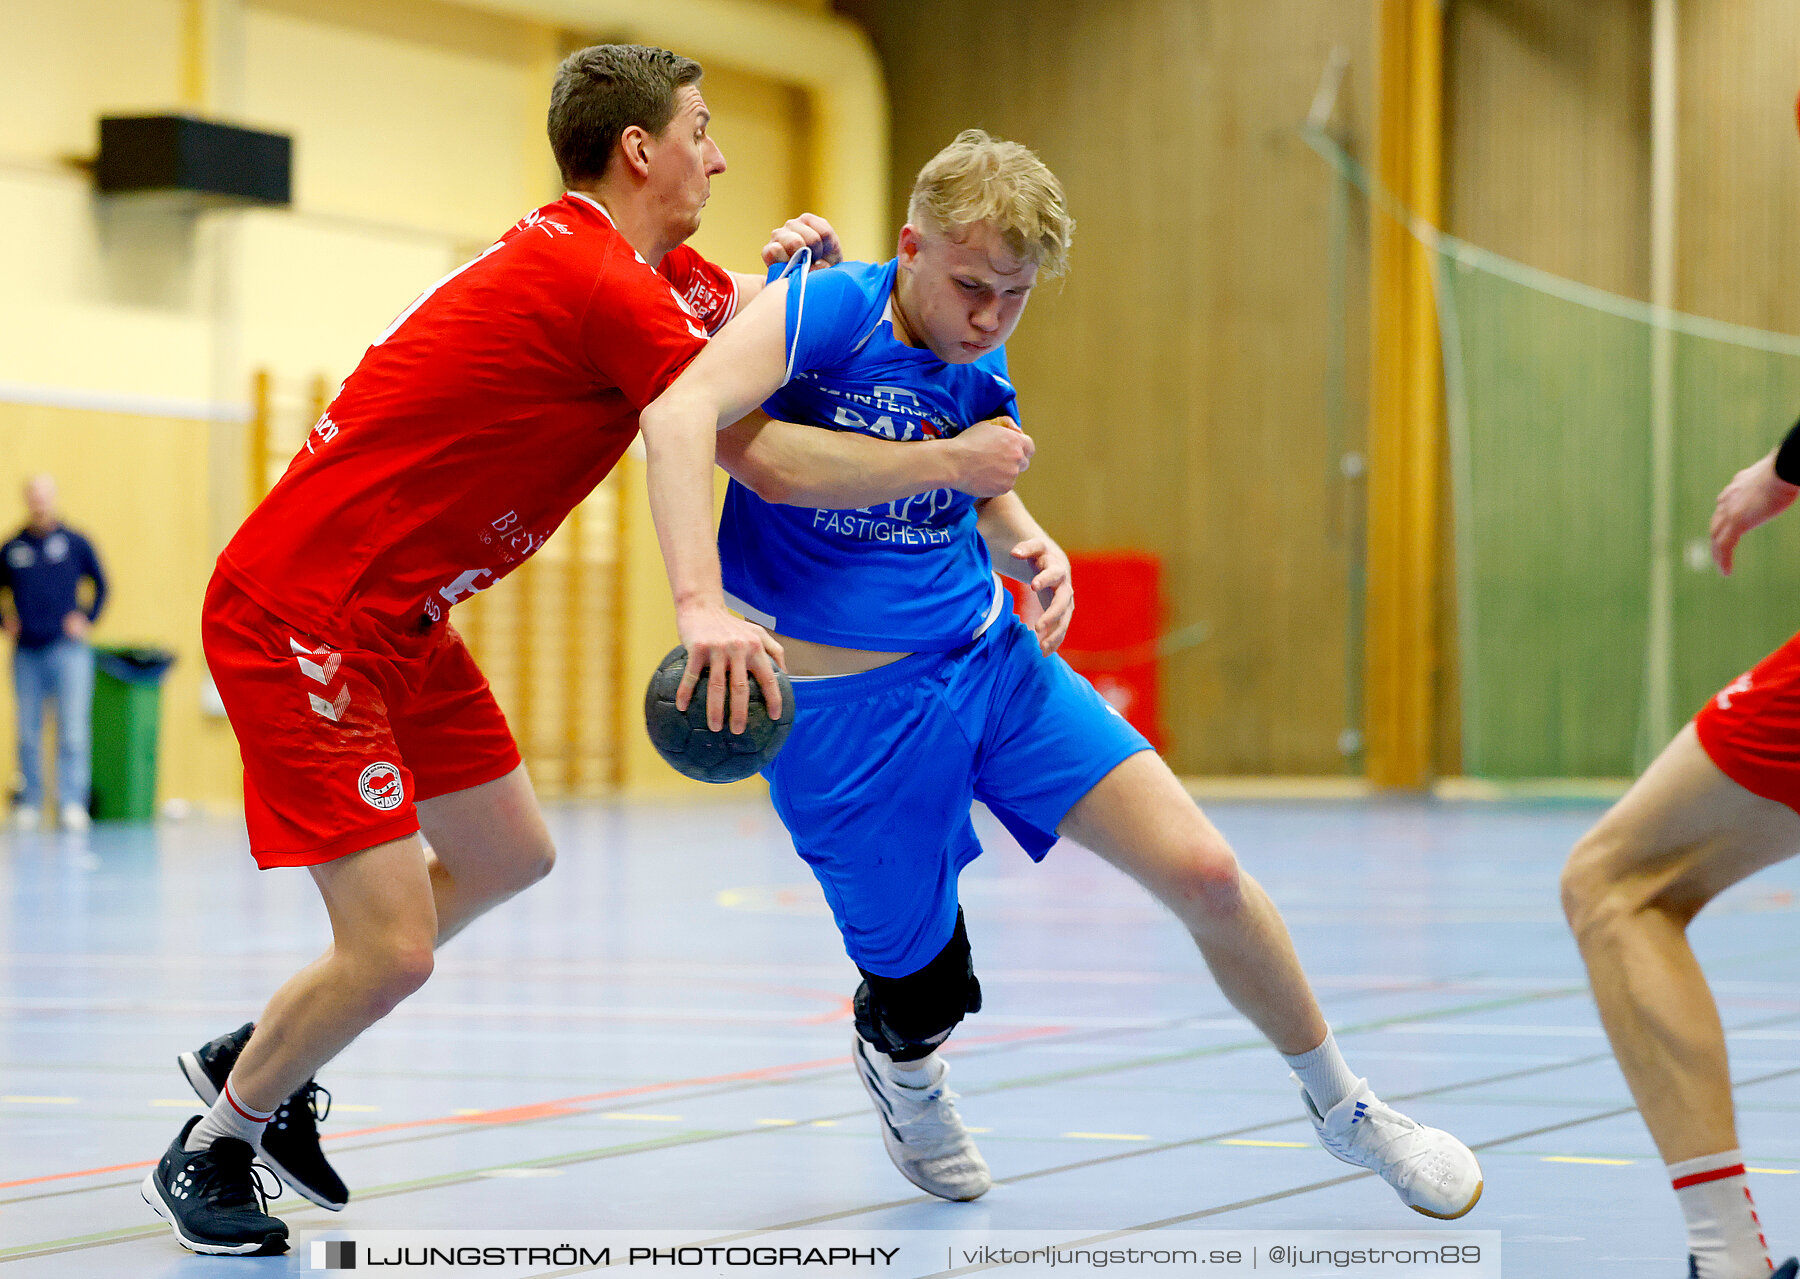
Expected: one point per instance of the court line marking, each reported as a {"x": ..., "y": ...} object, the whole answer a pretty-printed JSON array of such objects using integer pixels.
[
  {"x": 1008, "y": 1040},
  {"x": 567, "y": 1106},
  {"x": 288, "y": 1208},
  {"x": 129, "y": 1234},
  {"x": 1293, "y": 1192},
  {"x": 555, "y": 1108},
  {"x": 1004, "y": 1039}
]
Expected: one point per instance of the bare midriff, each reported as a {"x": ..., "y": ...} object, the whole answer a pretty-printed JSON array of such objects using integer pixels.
[{"x": 804, "y": 657}]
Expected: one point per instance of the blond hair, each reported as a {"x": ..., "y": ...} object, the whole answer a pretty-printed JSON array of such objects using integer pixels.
[{"x": 978, "y": 178}]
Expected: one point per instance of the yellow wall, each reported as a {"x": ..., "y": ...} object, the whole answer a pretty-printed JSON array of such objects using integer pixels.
[
  {"x": 418, "y": 132},
  {"x": 132, "y": 484}
]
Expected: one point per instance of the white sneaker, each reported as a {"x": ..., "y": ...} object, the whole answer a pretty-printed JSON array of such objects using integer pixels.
[
  {"x": 1432, "y": 1171},
  {"x": 26, "y": 817},
  {"x": 75, "y": 817},
  {"x": 923, "y": 1133}
]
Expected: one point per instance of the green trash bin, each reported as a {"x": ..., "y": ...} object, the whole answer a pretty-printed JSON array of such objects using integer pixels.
[{"x": 127, "y": 705}]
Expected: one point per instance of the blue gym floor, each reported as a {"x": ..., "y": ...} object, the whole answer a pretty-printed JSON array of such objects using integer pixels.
[{"x": 656, "y": 1037}]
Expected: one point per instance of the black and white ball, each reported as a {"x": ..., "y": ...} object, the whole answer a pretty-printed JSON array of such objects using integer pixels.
[{"x": 693, "y": 749}]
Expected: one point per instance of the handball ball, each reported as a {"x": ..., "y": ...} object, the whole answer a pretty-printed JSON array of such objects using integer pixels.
[{"x": 694, "y": 750}]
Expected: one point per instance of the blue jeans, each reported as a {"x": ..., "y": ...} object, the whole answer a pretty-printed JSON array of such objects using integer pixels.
[{"x": 63, "y": 670}]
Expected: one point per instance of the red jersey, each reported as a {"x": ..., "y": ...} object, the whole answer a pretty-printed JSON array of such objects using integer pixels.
[{"x": 474, "y": 425}]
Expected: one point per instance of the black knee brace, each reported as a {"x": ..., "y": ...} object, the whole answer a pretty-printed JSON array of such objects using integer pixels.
[{"x": 907, "y": 1017}]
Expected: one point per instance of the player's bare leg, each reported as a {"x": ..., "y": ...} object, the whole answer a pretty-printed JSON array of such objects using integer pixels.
[
  {"x": 1683, "y": 834},
  {"x": 383, "y": 931},
  {"x": 1140, "y": 819},
  {"x": 488, "y": 843}
]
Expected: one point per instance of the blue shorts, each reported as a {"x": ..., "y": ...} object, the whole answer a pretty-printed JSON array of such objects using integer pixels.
[{"x": 875, "y": 781}]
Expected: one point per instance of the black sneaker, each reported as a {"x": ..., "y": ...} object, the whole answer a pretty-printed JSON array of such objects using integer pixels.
[
  {"x": 290, "y": 1144},
  {"x": 214, "y": 1199}
]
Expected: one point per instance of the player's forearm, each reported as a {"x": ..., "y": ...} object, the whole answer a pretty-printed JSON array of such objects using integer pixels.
[
  {"x": 1004, "y": 523},
  {"x": 797, "y": 465},
  {"x": 678, "y": 449}
]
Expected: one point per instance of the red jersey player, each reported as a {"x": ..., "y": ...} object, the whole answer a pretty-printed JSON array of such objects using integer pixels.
[
  {"x": 473, "y": 425},
  {"x": 1717, "y": 805}
]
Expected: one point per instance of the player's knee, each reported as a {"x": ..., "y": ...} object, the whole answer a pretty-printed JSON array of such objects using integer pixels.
[
  {"x": 533, "y": 863},
  {"x": 1602, "y": 893},
  {"x": 907, "y": 1017},
  {"x": 393, "y": 970},
  {"x": 1206, "y": 874}
]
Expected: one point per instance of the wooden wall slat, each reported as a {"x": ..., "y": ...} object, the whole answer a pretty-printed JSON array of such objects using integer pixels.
[{"x": 1175, "y": 383}]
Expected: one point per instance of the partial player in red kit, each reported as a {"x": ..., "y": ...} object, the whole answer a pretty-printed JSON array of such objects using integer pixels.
[
  {"x": 473, "y": 425},
  {"x": 1718, "y": 804},
  {"x": 1721, "y": 802}
]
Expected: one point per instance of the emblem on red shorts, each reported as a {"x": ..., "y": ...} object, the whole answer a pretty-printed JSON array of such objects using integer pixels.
[{"x": 381, "y": 786}]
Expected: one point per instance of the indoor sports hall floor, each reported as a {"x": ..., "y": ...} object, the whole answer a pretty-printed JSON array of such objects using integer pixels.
[{"x": 656, "y": 1037}]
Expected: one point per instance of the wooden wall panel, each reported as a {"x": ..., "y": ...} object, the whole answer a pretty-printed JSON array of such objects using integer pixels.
[
  {"x": 1548, "y": 155},
  {"x": 1176, "y": 383},
  {"x": 1739, "y": 169}
]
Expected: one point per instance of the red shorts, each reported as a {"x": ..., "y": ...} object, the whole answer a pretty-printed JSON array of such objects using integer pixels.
[
  {"x": 340, "y": 743},
  {"x": 1751, "y": 728}
]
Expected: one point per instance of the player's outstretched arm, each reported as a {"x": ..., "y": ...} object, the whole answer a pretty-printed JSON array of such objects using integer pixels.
[
  {"x": 1020, "y": 549},
  {"x": 1756, "y": 495},
  {"x": 680, "y": 428},
  {"x": 841, "y": 470}
]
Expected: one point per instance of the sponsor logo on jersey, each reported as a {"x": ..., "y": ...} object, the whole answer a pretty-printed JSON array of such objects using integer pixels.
[
  {"x": 711, "y": 305},
  {"x": 1739, "y": 685},
  {"x": 20, "y": 555},
  {"x": 381, "y": 786},
  {"x": 56, "y": 548},
  {"x": 536, "y": 221}
]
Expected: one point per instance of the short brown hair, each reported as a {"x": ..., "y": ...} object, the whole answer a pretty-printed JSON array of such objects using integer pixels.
[
  {"x": 603, "y": 90},
  {"x": 978, "y": 178}
]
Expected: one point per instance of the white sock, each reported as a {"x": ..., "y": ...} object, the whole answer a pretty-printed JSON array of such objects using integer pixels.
[
  {"x": 1724, "y": 1236},
  {"x": 229, "y": 1117},
  {"x": 1324, "y": 1074},
  {"x": 914, "y": 1074}
]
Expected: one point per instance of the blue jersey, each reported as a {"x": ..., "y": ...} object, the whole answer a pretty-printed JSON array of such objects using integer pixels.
[{"x": 906, "y": 576}]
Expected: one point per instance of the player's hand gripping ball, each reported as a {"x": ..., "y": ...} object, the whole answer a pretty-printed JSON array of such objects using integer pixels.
[{"x": 694, "y": 750}]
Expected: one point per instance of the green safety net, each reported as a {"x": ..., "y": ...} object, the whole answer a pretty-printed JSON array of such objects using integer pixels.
[{"x": 1549, "y": 406}]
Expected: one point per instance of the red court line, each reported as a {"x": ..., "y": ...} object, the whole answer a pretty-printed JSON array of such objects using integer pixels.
[{"x": 566, "y": 1105}]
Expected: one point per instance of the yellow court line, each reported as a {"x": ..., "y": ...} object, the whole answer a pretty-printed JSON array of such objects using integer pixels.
[
  {"x": 778, "y": 1123},
  {"x": 1575, "y": 1159},
  {"x": 638, "y": 1114},
  {"x": 832, "y": 1123},
  {"x": 1284, "y": 1145},
  {"x": 468, "y": 1110},
  {"x": 1109, "y": 1136},
  {"x": 42, "y": 1101},
  {"x": 193, "y": 1102},
  {"x": 966, "y": 1128},
  {"x": 354, "y": 1106},
  {"x": 1776, "y": 1172}
]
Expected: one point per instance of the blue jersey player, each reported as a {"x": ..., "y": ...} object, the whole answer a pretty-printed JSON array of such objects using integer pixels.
[{"x": 917, "y": 690}]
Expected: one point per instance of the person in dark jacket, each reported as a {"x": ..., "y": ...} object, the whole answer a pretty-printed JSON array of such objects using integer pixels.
[{"x": 41, "y": 568}]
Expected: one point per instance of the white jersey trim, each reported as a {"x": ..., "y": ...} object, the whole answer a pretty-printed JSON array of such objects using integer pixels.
[
  {"x": 765, "y": 620},
  {"x": 1000, "y": 600}
]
